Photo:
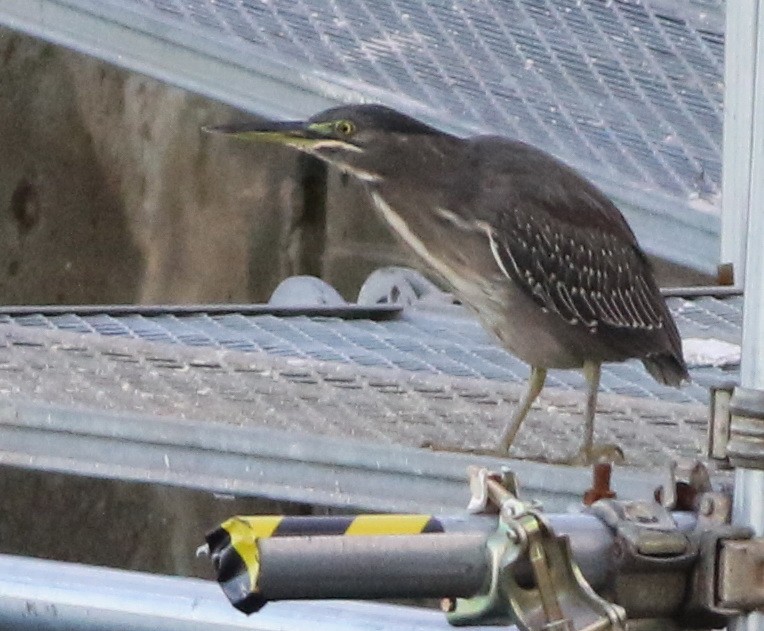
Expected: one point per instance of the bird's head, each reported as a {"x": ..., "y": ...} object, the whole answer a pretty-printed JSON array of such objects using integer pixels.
[{"x": 361, "y": 139}]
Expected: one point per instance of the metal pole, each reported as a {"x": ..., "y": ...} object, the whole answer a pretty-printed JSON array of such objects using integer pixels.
[
  {"x": 311, "y": 565},
  {"x": 428, "y": 565},
  {"x": 740, "y": 63},
  {"x": 370, "y": 568},
  {"x": 748, "y": 509},
  {"x": 752, "y": 363},
  {"x": 37, "y": 594},
  {"x": 744, "y": 17}
]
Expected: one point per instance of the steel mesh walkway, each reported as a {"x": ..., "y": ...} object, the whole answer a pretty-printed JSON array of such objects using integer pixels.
[
  {"x": 426, "y": 342},
  {"x": 387, "y": 406}
]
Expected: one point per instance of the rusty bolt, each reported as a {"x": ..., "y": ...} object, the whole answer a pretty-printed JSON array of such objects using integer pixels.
[{"x": 601, "y": 484}]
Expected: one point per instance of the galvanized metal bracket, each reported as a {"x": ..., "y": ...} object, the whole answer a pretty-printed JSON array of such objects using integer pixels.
[
  {"x": 652, "y": 560},
  {"x": 719, "y": 422},
  {"x": 559, "y": 599},
  {"x": 704, "y": 607},
  {"x": 490, "y": 607},
  {"x": 699, "y": 577},
  {"x": 740, "y": 576},
  {"x": 746, "y": 444}
]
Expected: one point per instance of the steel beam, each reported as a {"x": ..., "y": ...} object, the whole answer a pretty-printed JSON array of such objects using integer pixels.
[
  {"x": 744, "y": 141},
  {"x": 37, "y": 594},
  {"x": 739, "y": 95},
  {"x": 253, "y": 461}
]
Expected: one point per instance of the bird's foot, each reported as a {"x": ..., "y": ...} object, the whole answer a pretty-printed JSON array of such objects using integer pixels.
[{"x": 592, "y": 454}]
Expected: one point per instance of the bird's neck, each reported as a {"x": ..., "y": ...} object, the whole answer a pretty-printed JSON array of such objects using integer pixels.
[{"x": 418, "y": 175}]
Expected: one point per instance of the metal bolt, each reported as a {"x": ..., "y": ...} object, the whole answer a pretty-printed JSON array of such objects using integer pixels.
[
  {"x": 601, "y": 484},
  {"x": 517, "y": 535},
  {"x": 511, "y": 508},
  {"x": 448, "y": 605}
]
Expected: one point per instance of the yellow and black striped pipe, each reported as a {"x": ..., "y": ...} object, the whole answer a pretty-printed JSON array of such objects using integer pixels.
[{"x": 235, "y": 555}]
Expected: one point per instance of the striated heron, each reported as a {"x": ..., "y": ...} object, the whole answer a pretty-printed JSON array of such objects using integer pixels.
[{"x": 544, "y": 259}]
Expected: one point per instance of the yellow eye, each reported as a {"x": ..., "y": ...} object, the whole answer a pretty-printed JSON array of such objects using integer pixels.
[{"x": 344, "y": 128}]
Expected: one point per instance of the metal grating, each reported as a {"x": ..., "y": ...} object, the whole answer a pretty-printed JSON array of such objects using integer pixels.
[
  {"x": 630, "y": 91},
  {"x": 388, "y": 406},
  {"x": 426, "y": 342},
  {"x": 629, "y": 88}
]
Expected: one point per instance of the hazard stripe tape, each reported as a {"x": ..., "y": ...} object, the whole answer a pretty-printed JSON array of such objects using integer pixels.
[
  {"x": 356, "y": 525},
  {"x": 260, "y": 527},
  {"x": 234, "y": 550}
]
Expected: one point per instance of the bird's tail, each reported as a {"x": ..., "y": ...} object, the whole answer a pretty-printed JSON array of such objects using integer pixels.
[{"x": 667, "y": 369}]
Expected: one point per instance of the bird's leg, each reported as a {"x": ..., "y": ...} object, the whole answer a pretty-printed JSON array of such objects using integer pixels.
[
  {"x": 592, "y": 373},
  {"x": 535, "y": 385},
  {"x": 590, "y": 452}
]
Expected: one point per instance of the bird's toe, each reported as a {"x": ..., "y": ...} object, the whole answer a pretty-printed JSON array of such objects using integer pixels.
[{"x": 592, "y": 454}]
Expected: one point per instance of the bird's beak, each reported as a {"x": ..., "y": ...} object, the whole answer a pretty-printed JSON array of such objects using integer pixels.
[{"x": 292, "y": 133}]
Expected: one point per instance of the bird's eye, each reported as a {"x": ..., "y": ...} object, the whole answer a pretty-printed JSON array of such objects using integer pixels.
[{"x": 345, "y": 128}]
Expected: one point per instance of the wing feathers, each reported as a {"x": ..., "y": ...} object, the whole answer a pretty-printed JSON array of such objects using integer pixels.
[{"x": 586, "y": 277}]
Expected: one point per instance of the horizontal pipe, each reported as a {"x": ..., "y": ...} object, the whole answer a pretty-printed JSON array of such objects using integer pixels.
[
  {"x": 590, "y": 539},
  {"x": 710, "y": 291},
  {"x": 591, "y": 542},
  {"x": 338, "y": 472},
  {"x": 399, "y": 566},
  {"x": 347, "y": 311},
  {"x": 38, "y": 594},
  {"x": 453, "y": 563}
]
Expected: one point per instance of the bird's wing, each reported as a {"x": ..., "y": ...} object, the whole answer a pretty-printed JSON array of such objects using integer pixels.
[{"x": 588, "y": 275}]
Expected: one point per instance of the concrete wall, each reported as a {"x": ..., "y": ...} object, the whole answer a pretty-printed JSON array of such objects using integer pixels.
[
  {"x": 128, "y": 525},
  {"x": 109, "y": 192},
  {"x": 63, "y": 229}
]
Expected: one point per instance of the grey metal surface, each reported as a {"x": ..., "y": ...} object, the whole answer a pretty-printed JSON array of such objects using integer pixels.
[
  {"x": 739, "y": 90},
  {"x": 752, "y": 363},
  {"x": 386, "y": 405},
  {"x": 343, "y": 310},
  {"x": 631, "y": 92},
  {"x": 748, "y": 509},
  {"x": 373, "y": 568},
  {"x": 37, "y": 594},
  {"x": 709, "y": 317},
  {"x": 746, "y": 122},
  {"x": 434, "y": 565},
  {"x": 224, "y": 450},
  {"x": 440, "y": 341}
]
